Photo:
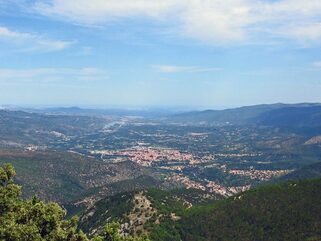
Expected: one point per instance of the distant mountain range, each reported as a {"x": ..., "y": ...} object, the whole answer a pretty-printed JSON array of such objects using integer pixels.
[
  {"x": 278, "y": 114},
  {"x": 295, "y": 116},
  {"x": 273, "y": 114}
]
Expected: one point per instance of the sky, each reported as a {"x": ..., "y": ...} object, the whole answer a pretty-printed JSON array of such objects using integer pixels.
[{"x": 160, "y": 53}]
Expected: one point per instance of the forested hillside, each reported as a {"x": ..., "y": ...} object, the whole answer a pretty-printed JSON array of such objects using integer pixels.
[
  {"x": 273, "y": 114},
  {"x": 62, "y": 176},
  {"x": 286, "y": 211},
  {"x": 290, "y": 211}
]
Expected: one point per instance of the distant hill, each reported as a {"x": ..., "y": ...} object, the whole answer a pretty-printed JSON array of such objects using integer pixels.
[
  {"x": 261, "y": 114},
  {"x": 290, "y": 211},
  {"x": 315, "y": 140},
  {"x": 237, "y": 115},
  {"x": 64, "y": 177},
  {"x": 19, "y": 127},
  {"x": 292, "y": 117},
  {"x": 309, "y": 171}
]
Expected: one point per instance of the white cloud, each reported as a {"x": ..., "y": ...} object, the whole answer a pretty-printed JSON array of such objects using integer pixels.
[
  {"x": 212, "y": 21},
  {"x": 52, "y": 74},
  {"x": 217, "y": 21},
  {"x": 304, "y": 33},
  {"x": 31, "y": 42},
  {"x": 179, "y": 69},
  {"x": 317, "y": 64}
]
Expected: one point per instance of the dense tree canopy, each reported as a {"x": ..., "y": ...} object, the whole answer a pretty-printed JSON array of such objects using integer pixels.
[
  {"x": 33, "y": 219},
  {"x": 287, "y": 211}
]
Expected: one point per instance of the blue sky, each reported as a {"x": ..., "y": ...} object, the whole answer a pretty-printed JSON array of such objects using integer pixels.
[{"x": 169, "y": 53}]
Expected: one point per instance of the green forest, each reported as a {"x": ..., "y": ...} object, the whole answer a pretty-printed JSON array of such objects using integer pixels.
[{"x": 286, "y": 211}]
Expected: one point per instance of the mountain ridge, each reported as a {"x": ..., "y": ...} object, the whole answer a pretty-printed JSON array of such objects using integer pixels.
[{"x": 242, "y": 115}]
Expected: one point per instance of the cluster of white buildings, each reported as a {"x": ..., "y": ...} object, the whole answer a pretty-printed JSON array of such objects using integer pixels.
[
  {"x": 185, "y": 181},
  {"x": 262, "y": 175}
]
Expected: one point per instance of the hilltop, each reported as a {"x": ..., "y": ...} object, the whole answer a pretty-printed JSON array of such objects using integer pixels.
[{"x": 143, "y": 212}]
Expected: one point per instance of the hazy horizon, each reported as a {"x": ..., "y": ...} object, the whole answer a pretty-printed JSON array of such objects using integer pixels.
[{"x": 141, "y": 108}]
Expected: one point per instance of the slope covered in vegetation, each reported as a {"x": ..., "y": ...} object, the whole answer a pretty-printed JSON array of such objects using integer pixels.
[
  {"x": 36, "y": 220},
  {"x": 143, "y": 212},
  {"x": 287, "y": 211},
  {"x": 309, "y": 171},
  {"x": 63, "y": 177},
  {"x": 290, "y": 211}
]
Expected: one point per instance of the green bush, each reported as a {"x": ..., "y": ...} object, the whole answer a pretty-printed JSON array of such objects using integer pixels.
[{"x": 24, "y": 220}]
